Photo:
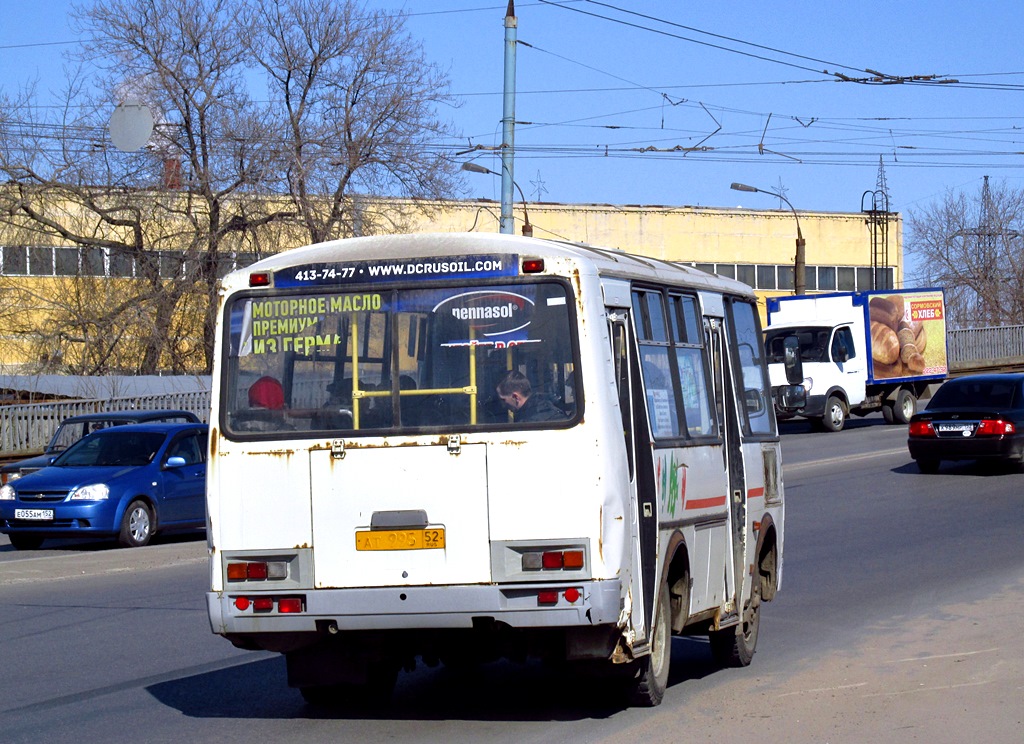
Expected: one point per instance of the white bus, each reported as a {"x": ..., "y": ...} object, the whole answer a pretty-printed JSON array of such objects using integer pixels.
[{"x": 461, "y": 447}]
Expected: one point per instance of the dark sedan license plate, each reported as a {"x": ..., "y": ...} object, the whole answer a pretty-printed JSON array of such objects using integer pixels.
[
  {"x": 965, "y": 430},
  {"x": 37, "y": 515}
]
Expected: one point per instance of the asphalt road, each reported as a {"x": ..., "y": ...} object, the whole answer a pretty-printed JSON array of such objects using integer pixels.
[{"x": 900, "y": 619}]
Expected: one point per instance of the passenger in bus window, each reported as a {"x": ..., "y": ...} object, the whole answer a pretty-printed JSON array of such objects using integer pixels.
[
  {"x": 516, "y": 393},
  {"x": 266, "y": 407}
]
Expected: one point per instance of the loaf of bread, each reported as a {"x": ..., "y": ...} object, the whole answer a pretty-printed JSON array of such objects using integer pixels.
[
  {"x": 882, "y": 371},
  {"x": 887, "y": 310},
  {"x": 885, "y": 344}
]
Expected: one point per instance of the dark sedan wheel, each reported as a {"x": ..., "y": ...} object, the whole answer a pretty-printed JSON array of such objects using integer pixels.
[
  {"x": 26, "y": 542},
  {"x": 136, "y": 526}
]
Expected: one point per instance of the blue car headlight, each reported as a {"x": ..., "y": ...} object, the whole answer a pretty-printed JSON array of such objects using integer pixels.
[
  {"x": 7, "y": 493},
  {"x": 92, "y": 492}
]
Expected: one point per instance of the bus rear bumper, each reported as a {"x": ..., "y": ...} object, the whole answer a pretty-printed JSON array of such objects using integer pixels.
[{"x": 579, "y": 604}]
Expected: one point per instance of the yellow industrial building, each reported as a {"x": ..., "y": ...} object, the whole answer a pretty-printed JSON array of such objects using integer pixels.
[{"x": 844, "y": 251}]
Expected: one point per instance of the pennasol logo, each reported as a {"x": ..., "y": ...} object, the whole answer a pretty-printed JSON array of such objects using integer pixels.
[{"x": 487, "y": 312}]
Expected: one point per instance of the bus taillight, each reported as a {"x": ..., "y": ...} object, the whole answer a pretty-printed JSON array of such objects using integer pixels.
[
  {"x": 553, "y": 560},
  {"x": 257, "y": 570}
]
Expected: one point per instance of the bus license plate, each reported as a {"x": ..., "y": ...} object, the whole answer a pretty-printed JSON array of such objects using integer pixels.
[
  {"x": 39, "y": 515},
  {"x": 432, "y": 537}
]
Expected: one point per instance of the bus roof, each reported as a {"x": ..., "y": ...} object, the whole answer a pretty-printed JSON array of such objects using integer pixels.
[{"x": 605, "y": 261}]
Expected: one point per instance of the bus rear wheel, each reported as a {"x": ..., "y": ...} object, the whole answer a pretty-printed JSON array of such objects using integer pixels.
[
  {"x": 735, "y": 646},
  {"x": 651, "y": 679}
]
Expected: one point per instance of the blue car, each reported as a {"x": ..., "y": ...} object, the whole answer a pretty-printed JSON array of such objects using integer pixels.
[{"x": 128, "y": 481}]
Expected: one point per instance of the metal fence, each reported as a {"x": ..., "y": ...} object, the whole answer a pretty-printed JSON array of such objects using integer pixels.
[
  {"x": 985, "y": 348},
  {"x": 25, "y": 430}
]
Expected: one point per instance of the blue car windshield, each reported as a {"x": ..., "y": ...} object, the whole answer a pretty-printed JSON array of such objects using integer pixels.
[{"x": 114, "y": 447}]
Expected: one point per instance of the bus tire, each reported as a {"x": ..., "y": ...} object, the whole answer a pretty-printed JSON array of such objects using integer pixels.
[
  {"x": 735, "y": 646},
  {"x": 651, "y": 679}
]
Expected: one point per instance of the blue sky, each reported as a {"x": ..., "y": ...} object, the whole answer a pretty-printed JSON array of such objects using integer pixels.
[{"x": 612, "y": 96}]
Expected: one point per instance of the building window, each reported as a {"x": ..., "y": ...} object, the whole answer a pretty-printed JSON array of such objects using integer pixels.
[
  {"x": 92, "y": 262},
  {"x": 15, "y": 259},
  {"x": 827, "y": 278},
  {"x": 811, "y": 278},
  {"x": 846, "y": 279},
  {"x": 786, "y": 280},
  {"x": 66, "y": 260},
  {"x": 40, "y": 260},
  {"x": 765, "y": 277},
  {"x": 726, "y": 270},
  {"x": 864, "y": 279},
  {"x": 746, "y": 274}
]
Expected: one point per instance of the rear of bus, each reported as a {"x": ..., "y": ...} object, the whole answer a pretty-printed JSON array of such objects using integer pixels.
[{"x": 373, "y": 499}]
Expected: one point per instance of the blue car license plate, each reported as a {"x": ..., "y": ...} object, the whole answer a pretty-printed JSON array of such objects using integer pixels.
[{"x": 38, "y": 515}]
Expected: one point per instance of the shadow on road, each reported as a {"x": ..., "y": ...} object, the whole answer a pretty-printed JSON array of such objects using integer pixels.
[{"x": 500, "y": 691}]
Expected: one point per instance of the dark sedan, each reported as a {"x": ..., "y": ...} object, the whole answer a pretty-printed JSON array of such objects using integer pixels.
[
  {"x": 978, "y": 417},
  {"x": 128, "y": 481}
]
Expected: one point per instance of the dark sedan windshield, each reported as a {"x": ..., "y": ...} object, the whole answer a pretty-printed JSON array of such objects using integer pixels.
[
  {"x": 113, "y": 447},
  {"x": 975, "y": 393}
]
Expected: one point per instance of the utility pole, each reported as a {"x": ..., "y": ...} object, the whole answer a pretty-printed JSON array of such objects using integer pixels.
[{"x": 508, "y": 121}]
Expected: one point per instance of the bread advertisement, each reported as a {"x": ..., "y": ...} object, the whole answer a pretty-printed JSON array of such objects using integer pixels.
[{"x": 908, "y": 334}]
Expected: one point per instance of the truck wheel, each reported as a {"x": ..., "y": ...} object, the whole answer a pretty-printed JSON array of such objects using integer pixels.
[
  {"x": 905, "y": 406},
  {"x": 888, "y": 414},
  {"x": 835, "y": 414}
]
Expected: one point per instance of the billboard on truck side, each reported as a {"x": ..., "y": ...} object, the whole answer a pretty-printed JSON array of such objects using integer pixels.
[{"x": 907, "y": 331}]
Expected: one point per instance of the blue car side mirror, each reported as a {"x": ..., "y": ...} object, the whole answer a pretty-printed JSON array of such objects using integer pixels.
[{"x": 174, "y": 462}]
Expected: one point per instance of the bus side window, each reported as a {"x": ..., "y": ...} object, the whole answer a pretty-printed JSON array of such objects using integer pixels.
[
  {"x": 656, "y": 365},
  {"x": 691, "y": 358}
]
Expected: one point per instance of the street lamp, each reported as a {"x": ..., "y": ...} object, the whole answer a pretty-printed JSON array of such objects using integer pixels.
[
  {"x": 799, "y": 264},
  {"x": 476, "y": 168}
]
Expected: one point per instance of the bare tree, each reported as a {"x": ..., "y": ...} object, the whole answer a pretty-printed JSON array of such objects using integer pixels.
[
  {"x": 973, "y": 246},
  {"x": 356, "y": 105},
  {"x": 352, "y": 111}
]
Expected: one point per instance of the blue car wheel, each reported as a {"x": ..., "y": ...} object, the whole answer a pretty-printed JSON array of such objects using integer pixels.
[{"x": 136, "y": 525}]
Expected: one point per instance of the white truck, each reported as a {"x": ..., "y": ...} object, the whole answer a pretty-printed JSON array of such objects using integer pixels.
[{"x": 861, "y": 351}]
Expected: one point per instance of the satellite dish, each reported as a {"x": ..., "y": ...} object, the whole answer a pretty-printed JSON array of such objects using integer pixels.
[{"x": 130, "y": 126}]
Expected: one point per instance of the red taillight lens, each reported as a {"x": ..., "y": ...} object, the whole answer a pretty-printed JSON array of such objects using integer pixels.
[
  {"x": 259, "y": 279},
  {"x": 533, "y": 265},
  {"x": 994, "y": 428},
  {"x": 922, "y": 429},
  {"x": 263, "y": 604},
  {"x": 547, "y": 597},
  {"x": 256, "y": 570},
  {"x": 552, "y": 559},
  {"x": 289, "y": 604}
]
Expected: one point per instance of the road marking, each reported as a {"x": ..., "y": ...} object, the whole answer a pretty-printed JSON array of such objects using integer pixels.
[
  {"x": 786, "y": 467},
  {"x": 925, "y": 689},
  {"x": 823, "y": 689},
  {"x": 945, "y": 656}
]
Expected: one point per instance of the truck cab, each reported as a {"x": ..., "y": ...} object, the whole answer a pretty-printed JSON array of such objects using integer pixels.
[{"x": 834, "y": 364}]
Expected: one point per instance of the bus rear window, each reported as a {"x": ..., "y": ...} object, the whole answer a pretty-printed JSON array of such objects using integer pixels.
[{"x": 377, "y": 362}]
